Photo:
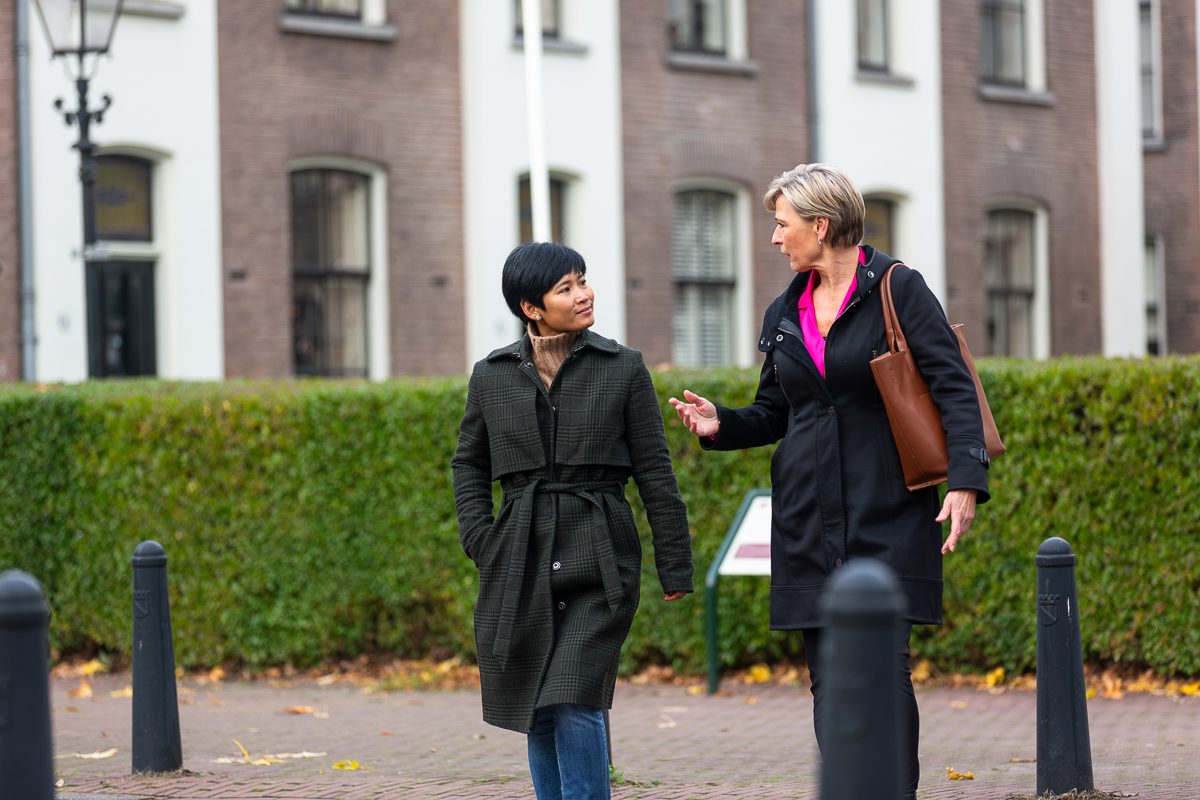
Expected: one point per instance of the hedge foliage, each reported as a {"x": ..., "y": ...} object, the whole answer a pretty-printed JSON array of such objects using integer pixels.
[{"x": 310, "y": 519}]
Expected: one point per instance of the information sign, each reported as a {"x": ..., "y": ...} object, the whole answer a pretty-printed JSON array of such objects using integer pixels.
[{"x": 750, "y": 551}]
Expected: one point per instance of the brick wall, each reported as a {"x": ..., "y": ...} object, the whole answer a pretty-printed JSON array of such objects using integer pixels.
[
  {"x": 10, "y": 265},
  {"x": 680, "y": 124},
  {"x": 1045, "y": 153},
  {"x": 1172, "y": 177},
  {"x": 285, "y": 96}
]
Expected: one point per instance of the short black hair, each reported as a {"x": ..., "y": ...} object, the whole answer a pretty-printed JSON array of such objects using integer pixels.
[{"x": 532, "y": 269}]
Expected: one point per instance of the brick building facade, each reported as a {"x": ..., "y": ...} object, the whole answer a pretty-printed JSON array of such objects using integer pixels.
[{"x": 392, "y": 103}]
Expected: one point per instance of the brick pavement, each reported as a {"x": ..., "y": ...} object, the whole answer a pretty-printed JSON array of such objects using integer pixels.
[{"x": 674, "y": 745}]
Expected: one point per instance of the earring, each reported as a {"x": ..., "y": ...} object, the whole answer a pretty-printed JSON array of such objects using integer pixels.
[
  {"x": 537, "y": 316},
  {"x": 820, "y": 241}
]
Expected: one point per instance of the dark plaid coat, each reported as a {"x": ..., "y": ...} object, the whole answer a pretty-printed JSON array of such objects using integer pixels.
[{"x": 560, "y": 566}]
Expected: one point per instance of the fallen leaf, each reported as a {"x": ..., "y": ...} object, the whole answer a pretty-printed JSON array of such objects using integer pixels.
[
  {"x": 385, "y": 733},
  {"x": 958, "y": 703},
  {"x": 187, "y": 701},
  {"x": 1190, "y": 689},
  {"x": 126, "y": 692},
  {"x": 93, "y": 666},
  {"x": 59, "y": 783},
  {"x": 214, "y": 699},
  {"x": 922, "y": 672},
  {"x": 97, "y": 699},
  {"x": 226, "y": 761},
  {"x": 179, "y": 673},
  {"x": 265, "y": 762},
  {"x": 216, "y": 674},
  {"x": 722, "y": 693},
  {"x": 1022, "y": 760},
  {"x": 697, "y": 689},
  {"x": 278, "y": 684},
  {"x": 666, "y": 723},
  {"x": 304, "y": 754},
  {"x": 71, "y": 708},
  {"x": 433, "y": 749},
  {"x": 484, "y": 736},
  {"x": 183, "y": 690},
  {"x": 674, "y": 709},
  {"x": 759, "y": 673},
  {"x": 84, "y": 690},
  {"x": 349, "y": 765},
  {"x": 1090, "y": 693},
  {"x": 99, "y": 754},
  {"x": 995, "y": 677},
  {"x": 752, "y": 699},
  {"x": 325, "y": 680},
  {"x": 245, "y": 752},
  {"x": 952, "y": 775},
  {"x": 300, "y": 710},
  {"x": 107, "y": 735}
]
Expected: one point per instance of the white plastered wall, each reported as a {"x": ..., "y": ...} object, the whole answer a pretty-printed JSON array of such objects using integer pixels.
[
  {"x": 162, "y": 75},
  {"x": 1119, "y": 135},
  {"x": 583, "y": 141},
  {"x": 887, "y": 135}
]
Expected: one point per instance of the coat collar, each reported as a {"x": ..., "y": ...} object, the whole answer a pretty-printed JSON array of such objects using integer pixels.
[
  {"x": 523, "y": 348},
  {"x": 869, "y": 275}
]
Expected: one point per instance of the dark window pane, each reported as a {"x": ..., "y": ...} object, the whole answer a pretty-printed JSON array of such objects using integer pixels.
[
  {"x": 550, "y": 21},
  {"x": 121, "y": 319},
  {"x": 878, "y": 224},
  {"x": 1146, "y": 45},
  {"x": 339, "y": 8},
  {"x": 122, "y": 197},
  {"x": 331, "y": 265},
  {"x": 558, "y": 189},
  {"x": 698, "y": 25},
  {"x": 1011, "y": 272},
  {"x": 872, "y": 34},
  {"x": 1003, "y": 45}
]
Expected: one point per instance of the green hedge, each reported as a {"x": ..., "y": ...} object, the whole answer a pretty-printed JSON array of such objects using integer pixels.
[{"x": 308, "y": 520}]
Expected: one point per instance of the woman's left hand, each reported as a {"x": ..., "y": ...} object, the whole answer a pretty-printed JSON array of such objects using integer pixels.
[
  {"x": 959, "y": 508},
  {"x": 669, "y": 596}
]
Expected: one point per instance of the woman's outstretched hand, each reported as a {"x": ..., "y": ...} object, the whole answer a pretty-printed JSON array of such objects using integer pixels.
[
  {"x": 699, "y": 415},
  {"x": 669, "y": 596},
  {"x": 959, "y": 508}
]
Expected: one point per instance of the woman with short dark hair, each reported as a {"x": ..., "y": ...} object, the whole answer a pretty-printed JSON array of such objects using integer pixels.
[
  {"x": 837, "y": 486},
  {"x": 562, "y": 418}
]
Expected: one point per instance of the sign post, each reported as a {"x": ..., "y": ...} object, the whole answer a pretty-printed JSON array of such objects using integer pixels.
[{"x": 746, "y": 550}]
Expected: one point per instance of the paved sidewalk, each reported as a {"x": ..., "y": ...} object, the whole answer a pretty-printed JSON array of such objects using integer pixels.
[{"x": 433, "y": 744}]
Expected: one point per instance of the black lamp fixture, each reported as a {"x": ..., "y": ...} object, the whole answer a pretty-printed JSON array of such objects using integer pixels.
[{"x": 76, "y": 29}]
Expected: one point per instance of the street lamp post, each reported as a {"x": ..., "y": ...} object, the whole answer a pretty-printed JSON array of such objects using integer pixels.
[{"x": 78, "y": 28}]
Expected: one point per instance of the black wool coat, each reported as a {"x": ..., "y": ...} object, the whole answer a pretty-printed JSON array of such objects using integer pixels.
[
  {"x": 837, "y": 484},
  {"x": 560, "y": 565}
]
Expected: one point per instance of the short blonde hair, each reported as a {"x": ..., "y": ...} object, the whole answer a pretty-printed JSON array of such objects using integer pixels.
[{"x": 822, "y": 190}]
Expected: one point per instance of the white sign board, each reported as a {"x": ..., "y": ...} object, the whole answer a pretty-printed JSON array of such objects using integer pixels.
[{"x": 750, "y": 551}]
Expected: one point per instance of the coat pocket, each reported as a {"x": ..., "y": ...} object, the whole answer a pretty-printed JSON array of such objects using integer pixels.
[{"x": 515, "y": 442}]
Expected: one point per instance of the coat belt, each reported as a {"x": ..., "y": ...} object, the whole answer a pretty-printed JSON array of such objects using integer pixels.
[{"x": 602, "y": 538}]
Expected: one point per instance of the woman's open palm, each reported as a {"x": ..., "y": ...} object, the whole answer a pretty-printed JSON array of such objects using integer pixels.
[{"x": 699, "y": 415}]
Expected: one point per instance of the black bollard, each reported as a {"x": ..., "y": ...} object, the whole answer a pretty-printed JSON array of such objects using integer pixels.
[
  {"x": 156, "y": 743},
  {"x": 26, "y": 761},
  {"x": 1064, "y": 748},
  {"x": 861, "y": 747}
]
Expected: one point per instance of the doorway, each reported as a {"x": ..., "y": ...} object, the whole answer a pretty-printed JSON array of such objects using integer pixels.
[{"x": 121, "y": 319}]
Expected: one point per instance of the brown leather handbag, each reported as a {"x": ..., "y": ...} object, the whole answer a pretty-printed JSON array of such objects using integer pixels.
[{"x": 915, "y": 418}]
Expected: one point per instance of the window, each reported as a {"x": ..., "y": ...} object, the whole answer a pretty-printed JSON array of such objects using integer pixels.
[
  {"x": 1011, "y": 271},
  {"x": 880, "y": 218},
  {"x": 558, "y": 188},
  {"x": 872, "y": 35},
  {"x": 1156, "y": 318},
  {"x": 1003, "y": 26},
  {"x": 335, "y": 8},
  {"x": 698, "y": 26},
  {"x": 705, "y": 270},
  {"x": 551, "y": 23},
  {"x": 330, "y": 270},
  {"x": 1151, "y": 126},
  {"x": 122, "y": 195}
]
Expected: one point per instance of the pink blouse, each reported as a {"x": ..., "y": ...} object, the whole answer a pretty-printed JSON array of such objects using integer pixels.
[{"x": 813, "y": 340}]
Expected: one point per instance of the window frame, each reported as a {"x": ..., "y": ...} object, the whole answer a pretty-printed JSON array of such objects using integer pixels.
[
  {"x": 1154, "y": 245},
  {"x": 565, "y": 219},
  {"x": 1033, "y": 48},
  {"x": 378, "y": 305},
  {"x": 554, "y": 35},
  {"x": 1040, "y": 306},
  {"x": 149, "y": 165},
  {"x": 886, "y": 67},
  {"x": 744, "y": 334},
  {"x": 735, "y": 51},
  {"x": 1154, "y": 133}
]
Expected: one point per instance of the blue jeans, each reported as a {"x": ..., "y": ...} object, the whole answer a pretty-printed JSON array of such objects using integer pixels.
[{"x": 568, "y": 753}]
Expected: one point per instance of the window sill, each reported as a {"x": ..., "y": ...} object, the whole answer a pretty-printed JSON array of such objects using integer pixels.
[
  {"x": 1015, "y": 94},
  {"x": 340, "y": 28},
  {"x": 702, "y": 62},
  {"x": 163, "y": 9},
  {"x": 1154, "y": 144},
  {"x": 123, "y": 250},
  {"x": 886, "y": 78},
  {"x": 553, "y": 45}
]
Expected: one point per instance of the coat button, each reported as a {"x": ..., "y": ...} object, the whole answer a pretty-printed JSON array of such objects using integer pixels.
[
  {"x": 831, "y": 411},
  {"x": 837, "y": 563},
  {"x": 779, "y": 338},
  {"x": 562, "y": 606},
  {"x": 529, "y": 363},
  {"x": 870, "y": 274},
  {"x": 556, "y": 565}
]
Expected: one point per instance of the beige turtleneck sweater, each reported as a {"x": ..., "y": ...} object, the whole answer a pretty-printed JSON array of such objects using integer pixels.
[{"x": 549, "y": 353}]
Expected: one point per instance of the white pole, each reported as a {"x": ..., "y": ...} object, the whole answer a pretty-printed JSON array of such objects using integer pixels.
[{"x": 539, "y": 174}]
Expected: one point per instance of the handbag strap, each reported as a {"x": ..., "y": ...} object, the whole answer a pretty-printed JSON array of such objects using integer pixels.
[{"x": 895, "y": 336}]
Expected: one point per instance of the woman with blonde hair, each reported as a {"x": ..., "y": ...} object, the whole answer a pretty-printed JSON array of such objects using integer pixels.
[{"x": 838, "y": 488}]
